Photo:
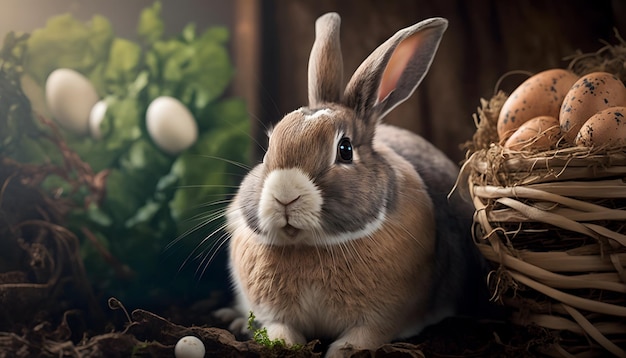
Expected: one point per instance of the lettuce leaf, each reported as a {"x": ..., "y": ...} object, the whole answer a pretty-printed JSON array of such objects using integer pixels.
[
  {"x": 151, "y": 27},
  {"x": 66, "y": 42},
  {"x": 196, "y": 72},
  {"x": 122, "y": 67},
  {"x": 151, "y": 197}
]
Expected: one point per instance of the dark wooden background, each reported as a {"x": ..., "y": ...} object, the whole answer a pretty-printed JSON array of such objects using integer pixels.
[{"x": 484, "y": 40}]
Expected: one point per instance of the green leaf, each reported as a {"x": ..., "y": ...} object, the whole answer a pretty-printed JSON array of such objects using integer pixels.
[
  {"x": 144, "y": 214},
  {"x": 209, "y": 71},
  {"x": 133, "y": 185},
  {"x": 125, "y": 117},
  {"x": 225, "y": 113},
  {"x": 179, "y": 57},
  {"x": 139, "y": 84},
  {"x": 124, "y": 196},
  {"x": 16, "y": 116},
  {"x": 122, "y": 67},
  {"x": 164, "y": 71},
  {"x": 96, "y": 215},
  {"x": 121, "y": 127},
  {"x": 216, "y": 34},
  {"x": 151, "y": 27},
  {"x": 68, "y": 43},
  {"x": 145, "y": 159},
  {"x": 36, "y": 150},
  {"x": 189, "y": 32},
  {"x": 197, "y": 73}
]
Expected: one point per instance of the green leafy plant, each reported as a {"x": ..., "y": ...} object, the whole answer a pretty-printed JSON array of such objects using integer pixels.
[
  {"x": 15, "y": 108},
  {"x": 259, "y": 334},
  {"x": 151, "y": 197}
]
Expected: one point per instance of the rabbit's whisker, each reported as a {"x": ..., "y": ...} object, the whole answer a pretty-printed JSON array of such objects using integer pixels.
[
  {"x": 198, "y": 247},
  {"x": 206, "y": 220},
  {"x": 210, "y": 254},
  {"x": 235, "y": 163}
]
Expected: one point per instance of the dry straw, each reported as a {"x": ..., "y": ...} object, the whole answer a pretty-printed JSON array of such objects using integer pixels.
[{"x": 553, "y": 224}]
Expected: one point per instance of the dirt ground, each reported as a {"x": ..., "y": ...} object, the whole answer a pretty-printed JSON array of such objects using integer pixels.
[
  {"x": 48, "y": 308},
  {"x": 151, "y": 335}
]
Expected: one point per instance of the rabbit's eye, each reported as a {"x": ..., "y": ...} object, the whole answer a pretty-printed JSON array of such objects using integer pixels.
[{"x": 344, "y": 151}]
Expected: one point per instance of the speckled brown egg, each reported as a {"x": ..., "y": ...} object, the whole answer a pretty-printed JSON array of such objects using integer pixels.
[
  {"x": 539, "y": 133},
  {"x": 589, "y": 95},
  {"x": 607, "y": 127},
  {"x": 540, "y": 95}
]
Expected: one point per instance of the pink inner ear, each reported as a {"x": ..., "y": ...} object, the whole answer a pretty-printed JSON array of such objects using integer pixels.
[{"x": 397, "y": 63}]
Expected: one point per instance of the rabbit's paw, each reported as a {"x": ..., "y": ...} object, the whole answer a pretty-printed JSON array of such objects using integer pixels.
[
  {"x": 237, "y": 324},
  {"x": 281, "y": 331}
]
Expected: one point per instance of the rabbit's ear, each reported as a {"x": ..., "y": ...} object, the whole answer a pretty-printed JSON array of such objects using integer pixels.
[
  {"x": 394, "y": 70},
  {"x": 325, "y": 62}
]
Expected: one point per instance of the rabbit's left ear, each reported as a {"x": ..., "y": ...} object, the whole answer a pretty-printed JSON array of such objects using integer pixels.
[{"x": 394, "y": 70}]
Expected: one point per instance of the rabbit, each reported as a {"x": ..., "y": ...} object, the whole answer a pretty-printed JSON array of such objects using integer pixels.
[{"x": 345, "y": 230}]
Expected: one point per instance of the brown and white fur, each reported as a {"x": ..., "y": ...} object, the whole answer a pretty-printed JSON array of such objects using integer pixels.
[{"x": 359, "y": 246}]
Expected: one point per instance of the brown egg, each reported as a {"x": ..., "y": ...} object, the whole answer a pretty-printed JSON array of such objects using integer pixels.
[
  {"x": 539, "y": 133},
  {"x": 540, "y": 95},
  {"x": 589, "y": 95},
  {"x": 607, "y": 127}
]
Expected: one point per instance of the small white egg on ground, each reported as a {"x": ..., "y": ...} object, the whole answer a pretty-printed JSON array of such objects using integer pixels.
[
  {"x": 96, "y": 116},
  {"x": 70, "y": 97},
  {"x": 189, "y": 347},
  {"x": 171, "y": 125}
]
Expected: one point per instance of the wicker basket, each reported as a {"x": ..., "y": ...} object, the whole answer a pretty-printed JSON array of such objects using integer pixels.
[{"x": 553, "y": 224}]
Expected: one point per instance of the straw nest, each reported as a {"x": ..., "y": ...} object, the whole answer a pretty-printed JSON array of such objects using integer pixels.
[{"x": 553, "y": 224}]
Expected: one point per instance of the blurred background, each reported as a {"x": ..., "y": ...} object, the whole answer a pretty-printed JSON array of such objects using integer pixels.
[
  {"x": 269, "y": 42},
  {"x": 484, "y": 40}
]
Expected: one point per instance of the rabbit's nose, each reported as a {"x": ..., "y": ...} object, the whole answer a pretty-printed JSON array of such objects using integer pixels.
[{"x": 287, "y": 201}]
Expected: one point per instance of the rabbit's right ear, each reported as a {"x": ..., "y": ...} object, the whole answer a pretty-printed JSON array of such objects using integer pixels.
[{"x": 326, "y": 62}]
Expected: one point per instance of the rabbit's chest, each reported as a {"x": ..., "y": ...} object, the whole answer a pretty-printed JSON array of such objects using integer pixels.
[
  {"x": 323, "y": 292},
  {"x": 319, "y": 297},
  {"x": 307, "y": 279}
]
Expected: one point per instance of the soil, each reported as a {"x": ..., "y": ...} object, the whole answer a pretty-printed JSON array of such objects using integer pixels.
[
  {"x": 48, "y": 308},
  {"x": 148, "y": 334}
]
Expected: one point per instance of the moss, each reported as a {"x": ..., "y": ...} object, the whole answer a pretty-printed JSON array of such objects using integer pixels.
[{"x": 259, "y": 334}]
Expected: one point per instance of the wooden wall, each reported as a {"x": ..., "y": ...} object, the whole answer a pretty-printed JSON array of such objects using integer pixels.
[{"x": 485, "y": 39}]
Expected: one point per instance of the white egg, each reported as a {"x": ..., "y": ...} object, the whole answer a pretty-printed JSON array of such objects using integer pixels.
[
  {"x": 170, "y": 125},
  {"x": 96, "y": 116},
  {"x": 189, "y": 347},
  {"x": 70, "y": 97}
]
